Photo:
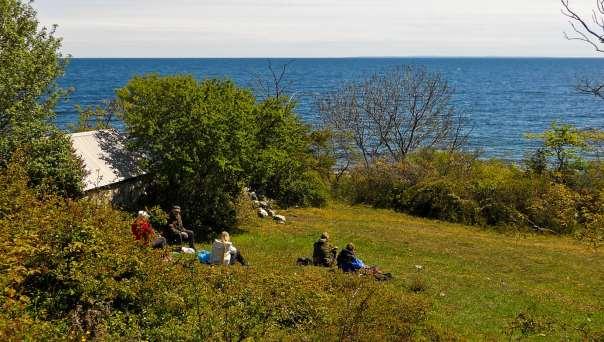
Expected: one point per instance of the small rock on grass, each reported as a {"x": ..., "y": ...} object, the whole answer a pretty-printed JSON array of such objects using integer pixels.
[{"x": 262, "y": 213}]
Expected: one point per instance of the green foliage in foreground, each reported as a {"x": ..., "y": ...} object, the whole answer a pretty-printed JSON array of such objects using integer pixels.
[
  {"x": 204, "y": 141},
  {"x": 30, "y": 63},
  {"x": 69, "y": 269}
]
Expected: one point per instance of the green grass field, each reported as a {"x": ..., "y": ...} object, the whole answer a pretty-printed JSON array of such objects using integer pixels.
[{"x": 480, "y": 284}]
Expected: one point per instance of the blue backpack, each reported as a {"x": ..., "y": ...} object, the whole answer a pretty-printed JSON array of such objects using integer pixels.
[
  {"x": 357, "y": 264},
  {"x": 204, "y": 257}
]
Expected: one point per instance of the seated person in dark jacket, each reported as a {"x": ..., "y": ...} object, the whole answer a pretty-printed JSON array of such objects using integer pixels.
[
  {"x": 324, "y": 253},
  {"x": 175, "y": 232},
  {"x": 348, "y": 261}
]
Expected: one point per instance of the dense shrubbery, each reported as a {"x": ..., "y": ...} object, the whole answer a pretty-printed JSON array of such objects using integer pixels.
[
  {"x": 461, "y": 188},
  {"x": 204, "y": 141},
  {"x": 69, "y": 269}
]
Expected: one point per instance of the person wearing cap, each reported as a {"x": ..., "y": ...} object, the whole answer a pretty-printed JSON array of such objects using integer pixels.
[
  {"x": 324, "y": 253},
  {"x": 347, "y": 260},
  {"x": 175, "y": 231},
  {"x": 144, "y": 233}
]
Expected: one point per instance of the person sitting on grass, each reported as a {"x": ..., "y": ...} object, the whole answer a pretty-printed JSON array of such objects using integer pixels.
[
  {"x": 144, "y": 233},
  {"x": 175, "y": 231},
  {"x": 324, "y": 253},
  {"x": 348, "y": 261},
  {"x": 224, "y": 253}
]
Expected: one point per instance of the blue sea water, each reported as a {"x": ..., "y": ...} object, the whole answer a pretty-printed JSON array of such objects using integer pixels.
[{"x": 504, "y": 97}]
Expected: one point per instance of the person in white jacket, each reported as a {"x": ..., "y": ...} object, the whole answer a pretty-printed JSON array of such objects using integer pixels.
[{"x": 224, "y": 253}]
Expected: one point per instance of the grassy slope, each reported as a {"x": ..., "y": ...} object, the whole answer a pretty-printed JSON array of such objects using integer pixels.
[{"x": 478, "y": 281}]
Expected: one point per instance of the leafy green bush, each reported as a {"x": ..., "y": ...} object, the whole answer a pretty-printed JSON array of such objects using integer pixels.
[
  {"x": 63, "y": 261},
  {"x": 283, "y": 167},
  {"x": 52, "y": 166},
  {"x": 157, "y": 216},
  {"x": 427, "y": 183},
  {"x": 563, "y": 145},
  {"x": 502, "y": 193},
  {"x": 555, "y": 208},
  {"x": 380, "y": 185},
  {"x": 287, "y": 179},
  {"x": 438, "y": 200},
  {"x": 308, "y": 190},
  {"x": 593, "y": 228}
]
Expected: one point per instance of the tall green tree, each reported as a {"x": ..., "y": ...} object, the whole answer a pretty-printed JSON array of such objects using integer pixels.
[
  {"x": 203, "y": 141},
  {"x": 30, "y": 63},
  {"x": 196, "y": 138}
]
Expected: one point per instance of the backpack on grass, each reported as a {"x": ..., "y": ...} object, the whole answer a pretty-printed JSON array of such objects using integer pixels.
[{"x": 204, "y": 257}]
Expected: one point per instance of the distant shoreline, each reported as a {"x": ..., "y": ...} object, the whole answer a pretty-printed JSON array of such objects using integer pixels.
[{"x": 348, "y": 57}]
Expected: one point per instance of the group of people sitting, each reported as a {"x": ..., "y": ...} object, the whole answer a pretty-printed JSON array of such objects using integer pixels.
[
  {"x": 224, "y": 253},
  {"x": 326, "y": 255},
  {"x": 174, "y": 232}
]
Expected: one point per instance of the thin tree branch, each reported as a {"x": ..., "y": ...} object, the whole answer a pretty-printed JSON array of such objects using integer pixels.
[{"x": 584, "y": 32}]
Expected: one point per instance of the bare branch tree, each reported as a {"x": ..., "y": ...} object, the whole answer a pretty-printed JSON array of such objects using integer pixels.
[
  {"x": 590, "y": 33},
  {"x": 279, "y": 86},
  {"x": 341, "y": 113},
  {"x": 96, "y": 117},
  {"x": 276, "y": 84},
  {"x": 394, "y": 113},
  {"x": 590, "y": 87},
  {"x": 341, "y": 149}
]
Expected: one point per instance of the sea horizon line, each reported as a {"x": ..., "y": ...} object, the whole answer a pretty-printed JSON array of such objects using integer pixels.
[{"x": 352, "y": 57}]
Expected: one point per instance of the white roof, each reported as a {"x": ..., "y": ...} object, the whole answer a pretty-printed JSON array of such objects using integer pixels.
[{"x": 105, "y": 158}]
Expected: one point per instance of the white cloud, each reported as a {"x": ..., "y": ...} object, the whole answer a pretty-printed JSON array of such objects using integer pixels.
[{"x": 225, "y": 28}]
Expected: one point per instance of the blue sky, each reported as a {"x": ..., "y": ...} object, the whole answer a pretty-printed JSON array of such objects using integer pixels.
[{"x": 311, "y": 28}]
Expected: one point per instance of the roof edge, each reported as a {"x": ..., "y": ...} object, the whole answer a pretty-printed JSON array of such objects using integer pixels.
[{"x": 88, "y": 133}]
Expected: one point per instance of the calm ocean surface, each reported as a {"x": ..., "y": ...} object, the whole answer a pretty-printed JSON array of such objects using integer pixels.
[{"x": 505, "y": 97}]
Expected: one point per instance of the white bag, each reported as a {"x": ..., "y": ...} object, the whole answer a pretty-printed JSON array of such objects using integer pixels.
[{"x": 188, "y": 250}]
